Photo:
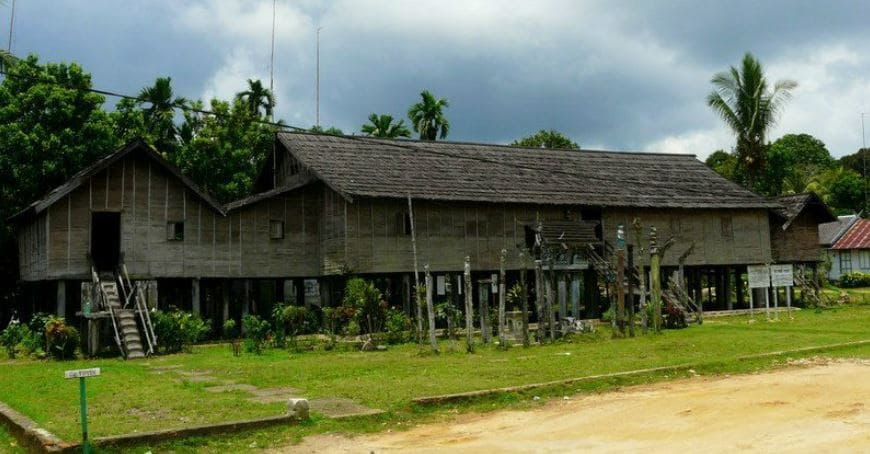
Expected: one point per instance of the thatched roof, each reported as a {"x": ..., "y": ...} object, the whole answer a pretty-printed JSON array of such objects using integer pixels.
[
  {"x": 81, "y": 177},
  {"x": 370, "y": 167},
  {"x": 795, "y": 204}
]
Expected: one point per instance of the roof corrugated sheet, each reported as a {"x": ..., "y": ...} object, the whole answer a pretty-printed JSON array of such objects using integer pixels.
[
  {"x": 370, "y": 167},
  {"x": 858, "y": 237},
  {"x": 830, "y": 232}
]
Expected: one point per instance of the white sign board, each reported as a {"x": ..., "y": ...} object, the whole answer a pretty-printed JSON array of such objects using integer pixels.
[
  {"x": 759, "y": 276},
  {"x": 440, "y": 285},
  {"x": 82, "y": 373},
  {"x": 782, "y": 275}
]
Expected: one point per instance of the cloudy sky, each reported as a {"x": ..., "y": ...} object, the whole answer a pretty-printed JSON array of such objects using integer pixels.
[{"x": 625, "y": 75}]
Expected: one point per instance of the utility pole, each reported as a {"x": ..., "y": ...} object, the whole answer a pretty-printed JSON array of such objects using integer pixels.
[
  {"x": 864, "y": 160},
  {"x": 272, "y": 59},
  {"x": 11, "y": 24},
  {"x": 317, "y": 101}
]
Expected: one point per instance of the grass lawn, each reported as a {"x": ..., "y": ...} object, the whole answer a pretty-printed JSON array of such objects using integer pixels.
[
  {"x": 130, "y": 396},
  {"x": 8, "y": 444}
]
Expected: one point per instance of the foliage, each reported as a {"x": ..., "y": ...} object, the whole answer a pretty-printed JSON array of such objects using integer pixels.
[
  {"x": 855, "y": 161},
  {"x": 792, "y": 161},
  {"x": 332, "y": 130},
  {"x": 257, "y": 97},
  {"x": 514, "y": 297},
  {"x": 383, "y": 126},
  {"x": 256, "y": 333},
  {"x": 398, "y": 327},
  {"x": 159, "y": 115},
  {"x": 61, "y": 339},
  {"x": 223, "y": 152},
  {"x": 723, "y": 163},
  {"x": 452, "y": 316},
  {"x": 177, "y": 330},
  {"x": 229, "y": 329},
  {"x": 427, "y": 117},
  {"x": 742, "y": 97},
  {"x": 37, "y": 325},
  {"x": 840, "y": 188},
  {"x": 855, "y": 280},
  {"x": 546, "y": 139},
  {"x": 368, "y": 304},
  {"x": 294, "y": 318},
  {"x": 13, "y": 336}
]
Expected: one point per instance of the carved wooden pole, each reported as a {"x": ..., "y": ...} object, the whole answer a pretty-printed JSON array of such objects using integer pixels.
[
  {"x": 539, "y": 299},
  {"x": 630, "y": 290},
  {"x": 502, "y": 289},
  {"x": 551, "y": 299},
  {"x": 641, "y": 268},
  {"x": 655, "y": 280},
  {"x": 430, "y": 308},
  {"x": 469, "y": 307},
  {"x": 524, "y": 299},
  {"x": 620, "y": 279},
  {"x": 485, "y": 329}
]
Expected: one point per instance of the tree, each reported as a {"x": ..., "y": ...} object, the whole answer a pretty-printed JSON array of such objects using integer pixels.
[
  {"x": 723, "y": 163},
  {"x": 257, "y": 97},
  {"x": 744, "y": 101},
  {"x": 427, "y": 117},
  {"x": 842, "y": 189},
  {"x": 160, "y": 115},
  {"x": 331, "y": 131},
  {"x": 793, "y": 160},
  {"x": 856, "y": 160},
  {"x": 223, "y": 151},
  {"x": 383, "y": 126},
  {"x": 546, "y": 139},
  {"x": 50, "y": 128}
]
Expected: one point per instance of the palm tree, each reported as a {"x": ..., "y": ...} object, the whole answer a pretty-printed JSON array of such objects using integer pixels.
[
  {"x": 427, "y": 117},
  {"x": 256, "y": 97},
  {"x": 383, "y": 126},
  {"x": 743, "y": 99},
  {"x": 160, "y": 115}
]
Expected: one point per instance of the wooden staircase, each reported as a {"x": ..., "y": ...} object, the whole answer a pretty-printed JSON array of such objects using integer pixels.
[{"x": 127, "y": 329}]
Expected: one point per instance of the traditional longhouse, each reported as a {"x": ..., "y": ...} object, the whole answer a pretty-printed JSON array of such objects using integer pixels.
[{"x": 328, "y": 206}]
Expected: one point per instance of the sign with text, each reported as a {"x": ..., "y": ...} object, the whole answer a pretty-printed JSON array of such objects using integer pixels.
[
  {"x": 782, "y": 275},
  {"x": 82, "y": 373},
  {"x": 759, "y": 276}
]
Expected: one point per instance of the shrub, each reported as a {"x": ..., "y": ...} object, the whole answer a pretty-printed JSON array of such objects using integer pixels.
[
  {"x": 256, "y": 333},
  {"x": 37, "y": 328},
  {"x": 674, "y": 318},
  {"x": 231, "y": 332},
  {"x": 295, "y": 321},
  {"x": 61, "y": 339},
  {"x": 397, "y": 326},
  {"x": 13, "y": 336},
  {"x": 279, "y": 326},
  {"x": 177, "y": 330},
  {"x": 368, "y": 304},
  {"x": 855, "y": 280}
]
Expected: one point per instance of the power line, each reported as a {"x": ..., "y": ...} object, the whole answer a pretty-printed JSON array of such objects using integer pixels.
[{"x": 173, "y": 105}]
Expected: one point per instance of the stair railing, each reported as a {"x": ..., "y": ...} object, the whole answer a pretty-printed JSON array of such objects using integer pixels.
[
  {"x": 141, "y": 308},
  {"x": 105, "y": 298}
]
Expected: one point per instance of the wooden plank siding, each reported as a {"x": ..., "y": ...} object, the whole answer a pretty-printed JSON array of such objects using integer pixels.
[{"x": 799, "y": 243}]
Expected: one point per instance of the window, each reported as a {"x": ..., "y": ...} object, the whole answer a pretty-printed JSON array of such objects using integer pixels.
[
  {"x": 403, "y": 224},
  {"x": 175, "y": 231},
  {"x": 276, "y": 229},
  {"x": 864, "y": 260},
  {"x": 845, "y": 262},
  {"x": 727, "y": 229}
]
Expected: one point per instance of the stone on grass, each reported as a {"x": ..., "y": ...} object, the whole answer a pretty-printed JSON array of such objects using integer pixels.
[{"x": 298, "y": 407}]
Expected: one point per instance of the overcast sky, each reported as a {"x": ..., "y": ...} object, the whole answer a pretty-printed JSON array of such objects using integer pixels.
[{"x": 629, "y": 75}]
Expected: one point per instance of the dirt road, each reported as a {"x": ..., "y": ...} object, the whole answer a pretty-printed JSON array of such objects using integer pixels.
[{"x": 811, "y": 408}]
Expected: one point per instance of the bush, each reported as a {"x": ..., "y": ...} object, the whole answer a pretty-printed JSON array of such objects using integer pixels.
[
  {"x": 855, "y": 280},
  {"x": 232, "y": 334},
  {"x": 61, "y": 339},
  {"x": 256, "y": 333},
  {"x": 13, "y": 336},
  {"x": 368, "y": 304},
  {"x": 336, "y": 319},
  {"x": 177, "y": 330},
  {"x": 397, "y": 327},
  {"x": 37, "y": 328}
]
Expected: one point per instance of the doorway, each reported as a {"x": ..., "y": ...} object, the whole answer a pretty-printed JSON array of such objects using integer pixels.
[{"x": 105, "y": 240}]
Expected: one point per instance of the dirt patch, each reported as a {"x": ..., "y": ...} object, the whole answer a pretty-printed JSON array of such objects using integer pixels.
[
  {"x": 818, "y": 407},
  {"x": 340, "y": 408},
  {"x": 231, "y": 387}
]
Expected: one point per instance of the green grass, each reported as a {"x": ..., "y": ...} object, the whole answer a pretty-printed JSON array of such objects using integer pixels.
[
  {"x": 8, "y": 444},
  {"x": 128, "y": 397}
]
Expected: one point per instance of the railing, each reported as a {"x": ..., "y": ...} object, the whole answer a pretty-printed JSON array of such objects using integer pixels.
[
  {"x": 105, "y": 302},
  {"x": 141, "y": 308}
]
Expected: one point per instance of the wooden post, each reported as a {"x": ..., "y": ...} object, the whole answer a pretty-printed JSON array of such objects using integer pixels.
[
  {"x": 430, "y": 309},
  {"x": 61, "y": 299},
  {"x": 195, "y": 304},
  {"x": 540, "y": 297},
  {"x": 788, "y": 300},
  {"x": 469, "y": 307},
  {"x": 524, "y": 300},
  {"x": 450, "y": 291},
  {"x": 502, "y": 339},
  {"x": 620, "y": 280},
  {"x": 485, "y": 329},
  {"x": 630, "y": 291},
  {"x": 767, "y": 302},
  {"x": 738, "y": 286},
  {"x": 551, "y": 295},
  {"x": 638, "y": 237},
  {"x": 225, "y": 298},
  {"x": 775, "y": 301},
  {"x": 655, "y": 280},
  {"x": 417, "y": 298},
  {"x": 729, "y": 304}
]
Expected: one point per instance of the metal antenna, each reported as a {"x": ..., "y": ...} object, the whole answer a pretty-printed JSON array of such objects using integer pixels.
[
  {"x": 864, "y": 160},
  {"x": 272, "y": 63},
  {"x": 317, "y": 90},
  {"x": 11, "y": 23}
]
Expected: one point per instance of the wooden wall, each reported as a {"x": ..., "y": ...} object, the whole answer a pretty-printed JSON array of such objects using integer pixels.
[
  {"x": 799, "y": 243},
  {"x": 746, "y": 242},
  {"x": 33, "y": 248}
]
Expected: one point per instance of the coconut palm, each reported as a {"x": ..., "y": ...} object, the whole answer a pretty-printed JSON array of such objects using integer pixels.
[
  {"x": 427, "y": 117},
  {"x": 258, "y": 97},
  {"x": 383, "y": 126},
  {"x": 160, "y": 115},
  {"x": 742, "y": 97}
]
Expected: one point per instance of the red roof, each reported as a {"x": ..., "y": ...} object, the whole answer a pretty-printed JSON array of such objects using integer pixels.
[{"x": 858, "y": 237}]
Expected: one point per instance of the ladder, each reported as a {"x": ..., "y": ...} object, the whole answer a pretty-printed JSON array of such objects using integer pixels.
[{"x": 124, "y": 324}]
